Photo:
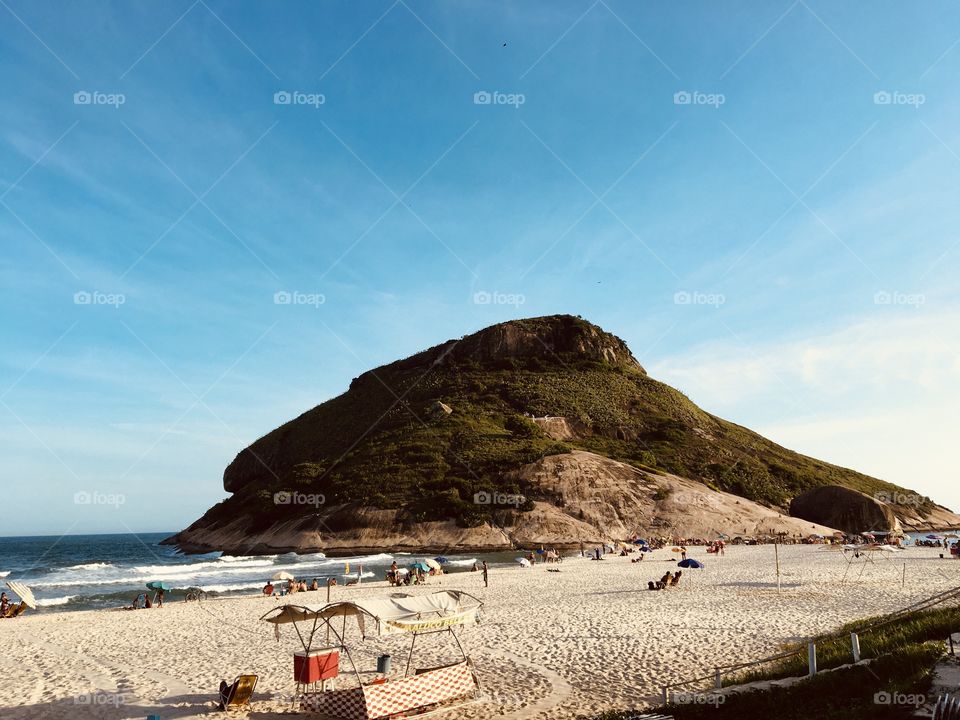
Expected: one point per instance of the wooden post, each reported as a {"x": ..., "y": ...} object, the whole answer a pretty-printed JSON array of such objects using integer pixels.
[
  {"x": 855, "y": 646},
  {"x": 776, "y": 554},
  {"x": 666, "y": 695},
  {"x": 903, "y": 580},
  {"x": 717, "y": 679},
  {"x": 812, "y": 658}
]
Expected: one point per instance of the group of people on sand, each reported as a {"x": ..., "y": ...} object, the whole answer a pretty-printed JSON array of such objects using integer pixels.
[
  {"x": 292, "y": 586},
  {"x": 544, "y": 555},
  {"x": 666, "y": 581},
  {"x": 718, "y": 547},
  {"x": 143, "y": 601},
  {"x": 416, "y": 575}
]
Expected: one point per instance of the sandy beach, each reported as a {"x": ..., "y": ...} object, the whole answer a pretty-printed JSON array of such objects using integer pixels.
[{"x": 550, "y": 645}]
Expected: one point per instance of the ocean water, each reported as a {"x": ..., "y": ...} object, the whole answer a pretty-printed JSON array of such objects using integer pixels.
[{"x": 79, "y": 572}]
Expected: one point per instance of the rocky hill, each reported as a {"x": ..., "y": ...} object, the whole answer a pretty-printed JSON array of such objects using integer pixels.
[{"x": 538, "y": 430}]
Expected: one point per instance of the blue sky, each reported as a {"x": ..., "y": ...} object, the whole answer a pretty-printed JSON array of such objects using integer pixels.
[{"x": 760, "y": 198}]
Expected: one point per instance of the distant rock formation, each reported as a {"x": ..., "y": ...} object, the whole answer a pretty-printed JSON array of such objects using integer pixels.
[
  {"x": 845, "y": 509},
  {"x": 554, "y": 410}
]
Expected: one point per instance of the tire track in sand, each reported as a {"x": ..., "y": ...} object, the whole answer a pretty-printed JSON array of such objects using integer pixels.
[{"x": 562, "y": 690}]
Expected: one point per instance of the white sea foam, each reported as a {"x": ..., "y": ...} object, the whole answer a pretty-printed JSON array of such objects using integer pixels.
[
  {"x": 48, "y": 602},
  {"x": 89, "y": 566},
  {"x": 4, "y": 573},
  {"x": 232, "y": 588}
]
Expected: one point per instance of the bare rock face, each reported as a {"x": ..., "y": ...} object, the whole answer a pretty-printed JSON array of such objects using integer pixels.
[
  {"x": 594, "y": 500},
  {"x": 843, "y": 508},
  {"x": 597, "y": 498},
  {"x": 549, "y": 339}
]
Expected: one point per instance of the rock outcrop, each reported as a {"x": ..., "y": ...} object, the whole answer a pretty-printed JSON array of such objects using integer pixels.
[
  {"x": 399, "y": 460},
  {"x": 846, "y": 509},
  {"x": 589, "y": 499}
]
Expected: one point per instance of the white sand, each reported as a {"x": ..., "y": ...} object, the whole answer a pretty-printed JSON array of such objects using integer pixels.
[{"x": 551, "y": 645}]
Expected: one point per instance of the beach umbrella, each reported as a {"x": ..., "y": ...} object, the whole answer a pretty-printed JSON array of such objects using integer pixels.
[
  {"x": 432, "y": 564},
  {"x": 690, "y": 563},
  {"x": 523, "y": 562},
  {"x": 934, "y": 537},
  {"x": 25, "y": 594},
  {"x": 158, "y": 585},
  {"x": 282, "y": 575},
  {"x": 442, "y": 560},
  {"x": 640, "y": 541},
  {"x": 420, "y": 566}
]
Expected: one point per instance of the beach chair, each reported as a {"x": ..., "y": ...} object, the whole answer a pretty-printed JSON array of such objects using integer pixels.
[
  {"x": 238, "y": 695},
  {"x": 16, "y": 610}
]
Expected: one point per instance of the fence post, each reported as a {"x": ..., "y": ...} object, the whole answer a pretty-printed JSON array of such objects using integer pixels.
[
  {"x": 666, "y": 694},
  {"x": 812, "y": 658},
  {"x": 855, "y": 645},
  {"x": 717, "y": 679}
]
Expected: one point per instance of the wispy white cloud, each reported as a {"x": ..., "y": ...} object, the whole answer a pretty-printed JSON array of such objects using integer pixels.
[{"x": 880, "y": 395}]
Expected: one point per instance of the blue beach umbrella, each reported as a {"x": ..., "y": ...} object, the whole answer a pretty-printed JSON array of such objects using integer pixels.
[
  {"x": 158, "y": 585},
  {"x": 442, "y": 560},
  {"x": 690, "y": 563},
  {"x": 420, "y": 566}
]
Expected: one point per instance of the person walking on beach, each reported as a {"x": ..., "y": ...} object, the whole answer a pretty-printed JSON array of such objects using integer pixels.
[
  {"x": 485, "y": 577},
  {"x": 160, "y": 597}
]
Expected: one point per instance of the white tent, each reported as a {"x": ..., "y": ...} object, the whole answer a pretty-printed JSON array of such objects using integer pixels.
[
  {"x": 24, "y": 593},
  {"x": 420, "y": 613}
]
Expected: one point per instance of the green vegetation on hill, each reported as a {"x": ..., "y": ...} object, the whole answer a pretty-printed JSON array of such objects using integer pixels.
[{"x": 387, "y": 443}]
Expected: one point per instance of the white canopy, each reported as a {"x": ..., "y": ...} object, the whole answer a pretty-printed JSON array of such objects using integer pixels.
[
  {"x": 24, "y": 593},
  {"x": 420, "y": 613}
]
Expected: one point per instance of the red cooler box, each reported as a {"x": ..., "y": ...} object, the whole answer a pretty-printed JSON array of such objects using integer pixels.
[{"x": 316, "y": 665}]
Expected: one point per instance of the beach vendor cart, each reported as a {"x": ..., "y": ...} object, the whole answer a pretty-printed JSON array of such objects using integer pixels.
[{"x": 322, "y": 631}]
